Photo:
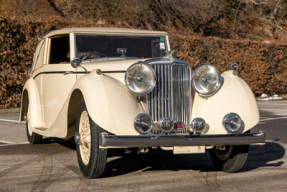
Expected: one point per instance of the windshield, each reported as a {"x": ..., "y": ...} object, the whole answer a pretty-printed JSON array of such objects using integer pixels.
[{"x": 106, "y": 46}]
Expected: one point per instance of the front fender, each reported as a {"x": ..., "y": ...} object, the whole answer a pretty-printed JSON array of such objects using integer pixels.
[
  {"x": 109, "y": 103},
  {"x": 234, "y": 96}
]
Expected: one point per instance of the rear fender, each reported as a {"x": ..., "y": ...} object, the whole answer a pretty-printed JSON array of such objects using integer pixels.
[
  {"x": 234, "y": 96},
  {"x": 30, "y": 91}
]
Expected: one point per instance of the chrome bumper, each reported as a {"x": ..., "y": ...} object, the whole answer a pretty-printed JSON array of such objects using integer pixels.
[{"x": 181, "y": 140}]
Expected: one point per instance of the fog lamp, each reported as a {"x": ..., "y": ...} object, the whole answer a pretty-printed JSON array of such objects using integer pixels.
[
  {"x": 166, "y": 124},
  {"x": 143, "y": 123},
  {"x": 232, "y": 122},
  {"x": 198, "y": 125}
]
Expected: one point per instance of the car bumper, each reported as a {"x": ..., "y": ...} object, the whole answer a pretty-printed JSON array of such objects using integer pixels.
[{"x": 181, "y": 140}]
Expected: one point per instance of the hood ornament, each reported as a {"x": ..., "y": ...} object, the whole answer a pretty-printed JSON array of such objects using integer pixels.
[{"x": 169, "y": 55}]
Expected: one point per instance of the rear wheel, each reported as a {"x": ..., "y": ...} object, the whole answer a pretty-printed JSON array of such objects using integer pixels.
[
  {"x": 32, "y": 137},
  {"x": 92, "y": 159},
  {"x": 231, "y": 159}
]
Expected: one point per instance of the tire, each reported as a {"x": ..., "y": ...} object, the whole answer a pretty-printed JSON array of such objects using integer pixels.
[
  {"x": 231, "y": 159},
  {"x": 91, "y": 159},
  {"x": 32, "y": 137}
]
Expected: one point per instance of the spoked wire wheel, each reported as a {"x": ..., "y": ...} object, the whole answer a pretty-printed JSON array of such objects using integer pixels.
[
  {"x": 224, "y": 154},
  {"x": 92, "y": 159},
  {"x": 85, "y": 136}
]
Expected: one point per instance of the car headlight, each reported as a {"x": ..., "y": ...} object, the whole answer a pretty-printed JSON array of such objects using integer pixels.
[
  {"x": 140, "y": 78},
  {"x": 206, "y": 79},
  {"x": 232, "y": 122}
]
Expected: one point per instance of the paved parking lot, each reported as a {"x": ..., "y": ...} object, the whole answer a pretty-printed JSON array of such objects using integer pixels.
[{"x": 52, "y": 166}]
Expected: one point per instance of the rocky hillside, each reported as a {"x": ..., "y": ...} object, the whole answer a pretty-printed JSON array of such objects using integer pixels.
[{"x": 249, "y": 32}]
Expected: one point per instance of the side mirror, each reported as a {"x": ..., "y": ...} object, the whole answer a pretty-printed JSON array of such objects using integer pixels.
[{"x": 76, "y": 62}]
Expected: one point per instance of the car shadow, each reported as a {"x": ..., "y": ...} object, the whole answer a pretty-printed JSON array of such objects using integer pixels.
[
  {"x": 269, "y": 155},
  {"x": 120, "y": 162},
  {"x": 70, "y": 144}
]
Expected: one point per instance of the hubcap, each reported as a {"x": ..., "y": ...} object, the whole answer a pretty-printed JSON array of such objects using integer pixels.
[
  {"x": 224, "y": 154},
  {"x": 78, "y": 139},
  {"x": 85, "y": 137}
]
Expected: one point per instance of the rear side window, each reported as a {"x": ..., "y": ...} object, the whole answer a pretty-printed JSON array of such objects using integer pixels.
[
  {"x": 60, "y": 50},
  {"x": 38, "y": 56}
]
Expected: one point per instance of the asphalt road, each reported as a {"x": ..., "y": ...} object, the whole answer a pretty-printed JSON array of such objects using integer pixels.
[{"x": 53, "y": 166}]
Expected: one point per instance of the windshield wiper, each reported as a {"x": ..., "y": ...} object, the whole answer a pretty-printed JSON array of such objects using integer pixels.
[
  {"x": 110, "y": 58},
  {"x": 122, "y": 57}
]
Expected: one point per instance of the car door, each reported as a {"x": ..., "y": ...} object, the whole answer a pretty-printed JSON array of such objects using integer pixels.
[
  {"x": 58, "y": 78},
  {"x": 37, "y": 69}
]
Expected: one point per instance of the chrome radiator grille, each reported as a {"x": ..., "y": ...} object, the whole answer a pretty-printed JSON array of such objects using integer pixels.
[{"x": 171, "y": 96}]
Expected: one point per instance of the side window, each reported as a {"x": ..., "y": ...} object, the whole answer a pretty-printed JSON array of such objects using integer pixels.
[
  {"x": 38, "y": 56},
  {"x": 60, "y": 50}
]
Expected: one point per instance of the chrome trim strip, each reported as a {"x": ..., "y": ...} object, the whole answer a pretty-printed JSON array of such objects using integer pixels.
[
  {"x": 181, "y": 140},
  {"x": 114, "y": 71},
  {"x": 155, "y": 100},
  {"x": 165, "y": 92},
  {"x": 56, "y": 72},
  {"x": 121, "y": 33},
  {"x": 169, "y": 89},
  {"x": 72, "y": 72},
  {"x": 162, "y": 93}
]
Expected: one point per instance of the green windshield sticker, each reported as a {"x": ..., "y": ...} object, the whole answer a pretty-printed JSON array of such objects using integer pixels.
[{"x": 162, "y": 39}]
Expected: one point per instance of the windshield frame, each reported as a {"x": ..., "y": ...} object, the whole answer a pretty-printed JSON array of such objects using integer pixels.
[{"x": 166, "y": 41}]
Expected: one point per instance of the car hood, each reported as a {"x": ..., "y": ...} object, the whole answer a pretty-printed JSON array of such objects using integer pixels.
[
  {"x": 111, "y": 65},
  {"x": 117, "y": 68}
]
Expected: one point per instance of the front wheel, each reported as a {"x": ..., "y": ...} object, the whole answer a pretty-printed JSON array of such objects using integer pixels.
[
  {"x": 91, "y": 158},
  {"x": 231, "y": 159}
]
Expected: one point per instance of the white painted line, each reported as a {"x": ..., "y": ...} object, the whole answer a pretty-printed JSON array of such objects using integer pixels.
[
  {"x": 8, "y": 142},
  {"x": 273, "y": 110},
  {"x": 22, "y": 143},
  {"x": 270, "y": 119},
  {"x": 270, "y": 104},
  {"x": 14, "y": 121}
]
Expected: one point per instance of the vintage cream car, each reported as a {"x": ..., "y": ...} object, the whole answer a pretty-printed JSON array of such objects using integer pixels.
[{"x": 121, "y": 88}]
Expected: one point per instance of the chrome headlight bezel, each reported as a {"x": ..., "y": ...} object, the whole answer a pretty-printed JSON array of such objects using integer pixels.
[
  {"x": 152, "y": 72},
  {"x": 225, "y": 119},
  {"x": 218, "y": 85}
]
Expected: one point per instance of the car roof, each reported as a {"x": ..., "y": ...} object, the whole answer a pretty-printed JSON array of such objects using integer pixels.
[{"x": 105, "y": 30}]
